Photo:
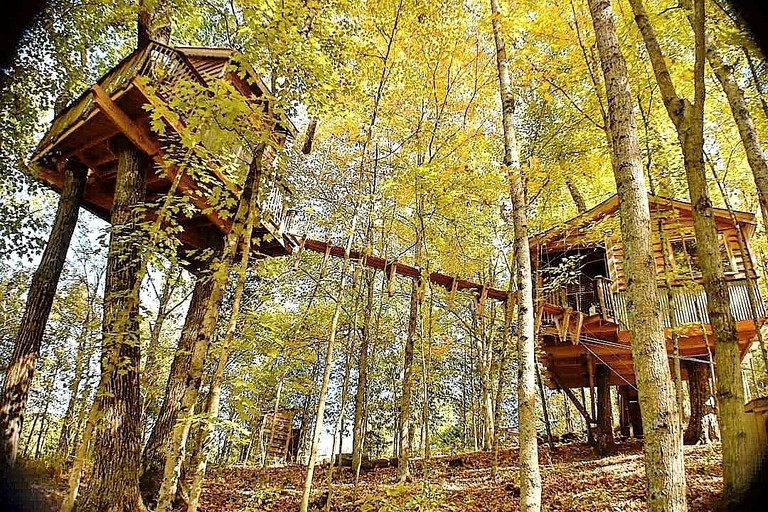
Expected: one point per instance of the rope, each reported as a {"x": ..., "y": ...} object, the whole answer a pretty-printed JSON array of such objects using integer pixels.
[{"x": 610, "y": 367}]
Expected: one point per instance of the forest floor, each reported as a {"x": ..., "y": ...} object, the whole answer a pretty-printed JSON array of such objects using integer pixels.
[{"x": 575, "y": 479}]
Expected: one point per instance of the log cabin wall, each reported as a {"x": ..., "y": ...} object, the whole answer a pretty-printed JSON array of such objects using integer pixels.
[{"x": 675, "y": 230}]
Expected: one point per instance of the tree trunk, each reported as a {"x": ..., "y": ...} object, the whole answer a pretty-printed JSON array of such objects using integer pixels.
[
  {"x": 221, "y": 268},
  {"x": 21, "y": 368},
  {"x": 663, "y": 451},
  {"x": 403, "y": 470},
  {"x": 756, "y": 81},
  {"x": 304, "y": 507},
  {"x": 605, "y": 444},
  {"x": 702, "y": 425},
  {"x": 689, "y": 121},
  {"x": 151, "y": 371},
  {"x": 214, "y": 396},
  {"x": 362, "y": 377},
  {"x": 530, "y": 476},
  {"x": 159, "y": 443},
  {"x": 154, "y": 22},
  {"x": 114, "y": 483},
  {"x": 744, "y": 122},
  {"x": 69, "y": 423},
  {"x": 578, "y": 199}
]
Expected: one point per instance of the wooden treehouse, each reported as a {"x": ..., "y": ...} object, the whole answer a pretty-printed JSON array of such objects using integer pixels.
[
  {"x": 118, "y": 105},
  {"x": 581, "y": 289}
]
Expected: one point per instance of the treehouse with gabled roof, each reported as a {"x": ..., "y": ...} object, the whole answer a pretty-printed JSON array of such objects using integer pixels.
[
  {"x": 581, "y": 290},
  {"x": 139, "y": 100}
]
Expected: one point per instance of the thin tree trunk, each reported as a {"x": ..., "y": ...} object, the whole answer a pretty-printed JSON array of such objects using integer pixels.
[
  {"x": 578, "y": 199},
  {"x": 70, "y": 423},
  {"x": 326, "y": 375},
  {"x": 688, "y": 120},
  {"x": 545, "y": 409},
  {"x": 362, "y": 378},
  {"x": 114, "y": 483},
  {"x": 21, "y": 368},
  {"x": 159, "y": 443},
  {"x": 756, "y": 81},
  {"x": 403, "y": 470},
  {"x": 663, "y": 451},
  {"x": 342, "y": 405},
  {"x": 151, "y": 371},
  {"x": 214, "y": 396},
  {"x": 509, "y": 306},
  {"x": 530, "y": 476},
  {"x": 185, "y": 415},
  {"x": 750, "y": 140}
]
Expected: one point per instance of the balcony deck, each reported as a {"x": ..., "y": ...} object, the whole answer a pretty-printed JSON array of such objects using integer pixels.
[{"x": 573, "y": 342}]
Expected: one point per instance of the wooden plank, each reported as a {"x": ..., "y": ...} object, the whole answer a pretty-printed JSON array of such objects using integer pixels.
[
  {"x": 140, "y": 138},
  {"x": 564, "y": 327},
  {"x": 579, "y": 406},
  {"x": 452, "y": 296},
  {"x": 324, "y": 263},
  {"x": 481, "y": 300},
  {"x": 577, "y": 333},
  {"x": 181, "y": 128},
  {"x": 299, "y": 253}
]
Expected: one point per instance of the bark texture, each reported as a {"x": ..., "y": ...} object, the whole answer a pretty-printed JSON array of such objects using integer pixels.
[
  {"x": 688, "y": 120},
  {"x": 114, "y": 484},
  {"x": 663, "y": 450},
  {"x": 530, "y": 475},
  {"x": 320, "y": 414},
  {"x": 702, "y": 425},
  {"x": 21, "y": 368},
  {"x": 180, "y": 433},
  {"x": 744, "y": 122},
  {"x": 362, "y": 377},
  {"x": 158, "y": 444},
  {"x": 213, "y": 402},
  {"x": 605, "y": 444}
]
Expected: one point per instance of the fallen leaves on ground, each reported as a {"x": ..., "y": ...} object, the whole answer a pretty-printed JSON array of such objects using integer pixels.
[{"x": 574, "y": 479}]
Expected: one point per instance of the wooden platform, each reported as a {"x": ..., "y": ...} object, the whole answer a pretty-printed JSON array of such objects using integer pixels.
[{"x": 573, "y": 343}]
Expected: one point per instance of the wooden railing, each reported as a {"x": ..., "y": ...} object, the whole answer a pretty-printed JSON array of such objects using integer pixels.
[
  {"x": 689, "y": 304},
  {"x": 275, "y": 213}
]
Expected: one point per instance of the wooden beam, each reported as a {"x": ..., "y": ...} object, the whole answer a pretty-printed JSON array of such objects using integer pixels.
[
  {"x": 579, "y": 406},
  {"x": 452, "y": 296},
  {"x": 566, "y": 322},
  {"x": 393, "y": 267},
  {"x": 181, "y": 128},
  {"x": 579, "y": 323},
  {"x": 139, "y": 137}
]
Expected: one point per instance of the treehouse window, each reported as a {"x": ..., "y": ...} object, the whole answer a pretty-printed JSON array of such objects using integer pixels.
[{"x": 685, "y": 255}]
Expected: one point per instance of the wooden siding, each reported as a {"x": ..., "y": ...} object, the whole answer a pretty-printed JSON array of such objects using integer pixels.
[{"x": 677, "y": 229}]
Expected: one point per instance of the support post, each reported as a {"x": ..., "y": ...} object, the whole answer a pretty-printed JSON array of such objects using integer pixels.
[{"x": 21, "y": 369}]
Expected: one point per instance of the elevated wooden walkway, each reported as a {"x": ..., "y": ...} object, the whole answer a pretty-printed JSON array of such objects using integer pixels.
[{"x": 393, "y": 267}]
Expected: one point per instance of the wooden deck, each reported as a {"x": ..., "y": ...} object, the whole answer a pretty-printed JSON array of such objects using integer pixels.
[{"x": 572, "y": 343}]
